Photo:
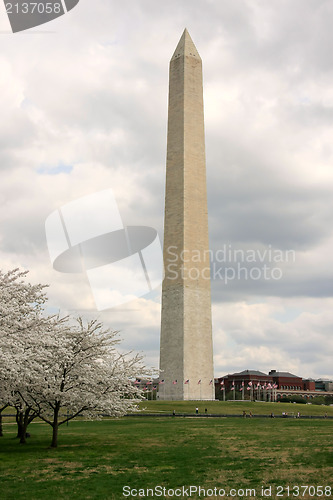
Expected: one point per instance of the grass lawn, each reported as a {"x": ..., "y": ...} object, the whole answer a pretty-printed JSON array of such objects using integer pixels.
[
  {"x": 234, "y": 407},
  {"x": 95, "y": 460}
]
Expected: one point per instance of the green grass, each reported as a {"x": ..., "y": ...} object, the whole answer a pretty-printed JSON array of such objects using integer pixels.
[
  {"x": 226, "y": 408},
  {"x": 234, "y": 407},
  {"x": 96, "y": 459}
]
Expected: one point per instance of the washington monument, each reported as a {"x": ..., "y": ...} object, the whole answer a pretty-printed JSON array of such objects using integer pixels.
[{"x": 186, "y": 357}]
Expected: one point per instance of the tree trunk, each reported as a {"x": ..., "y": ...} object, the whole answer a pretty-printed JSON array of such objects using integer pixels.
[
  {"x": 55, "y": 426},
  {"x": 1, "y": 428},
  {"x": 26, "y": 422},
  {"x": 54, "y": 443},
  {"x": 19, "y": 421},
  {"x": 23, "y": 420},
  {"x": 23, "y": 439}
]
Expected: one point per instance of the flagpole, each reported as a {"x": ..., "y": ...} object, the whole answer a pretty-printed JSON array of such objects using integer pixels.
[{"x": 223, "y": 389}]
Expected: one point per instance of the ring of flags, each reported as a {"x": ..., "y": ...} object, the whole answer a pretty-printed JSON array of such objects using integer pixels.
[
  {"x": 266, "y": 386},
  {"x": 161, "y": 382}
]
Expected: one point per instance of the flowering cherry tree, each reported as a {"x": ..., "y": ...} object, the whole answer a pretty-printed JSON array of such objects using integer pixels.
[
  {"x": 56, "y": 368},
  {"x": 83, "y": 374},
  {"x": 21, "y": 325}
]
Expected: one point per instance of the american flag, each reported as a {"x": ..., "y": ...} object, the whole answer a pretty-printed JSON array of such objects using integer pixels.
[
  {"x": 155, "y": 387},
  {"x": 187, "y": 381},
  {"x": 222, "y": 382},
  {"x": 174, "y": 382},
  {"x": 137, "y": 382},
  {"x": 199, "y": 381},
  {"x": 250, "y": 384},
  {"x": 149, "y": 382},
  {"x": 211, "y": 382},
  {"x": 161, "y": 382}
]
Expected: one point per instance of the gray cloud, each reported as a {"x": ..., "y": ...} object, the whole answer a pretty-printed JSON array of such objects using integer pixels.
[{"x": 93, "y": 96}]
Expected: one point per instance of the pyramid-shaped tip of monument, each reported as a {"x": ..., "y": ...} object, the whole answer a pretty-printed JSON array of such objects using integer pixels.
[{"x": 186, "y": 47}]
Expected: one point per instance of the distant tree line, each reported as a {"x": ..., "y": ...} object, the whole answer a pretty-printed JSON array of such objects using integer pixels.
[
  {"x": 320, "y": 399},
  {"x": 316, "y": 400}
]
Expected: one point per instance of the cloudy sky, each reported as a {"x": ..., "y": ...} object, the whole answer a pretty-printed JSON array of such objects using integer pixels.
[{"x": 84, "y": 108}]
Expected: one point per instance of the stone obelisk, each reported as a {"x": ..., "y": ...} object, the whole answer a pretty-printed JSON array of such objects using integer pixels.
[{"x": 186, "y": 356}]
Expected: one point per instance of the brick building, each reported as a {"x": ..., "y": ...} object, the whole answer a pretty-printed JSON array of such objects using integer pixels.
[
  {"x": 246, "y": 378},
  {"x": 254, "y": 384},
  {"x": 286, "y": 380}
]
